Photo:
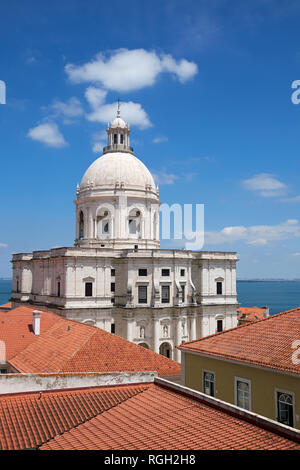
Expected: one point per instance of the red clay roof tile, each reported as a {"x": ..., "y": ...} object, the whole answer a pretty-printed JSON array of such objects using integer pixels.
[
  {"x": 69, "y": 346},
  {"x": 29, "y": 419},
  {"x": 267, "y": 342},
  {"x": 161, "y": 419}
]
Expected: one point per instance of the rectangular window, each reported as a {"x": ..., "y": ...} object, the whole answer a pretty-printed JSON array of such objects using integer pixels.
[
  {"x": 121, "y": 139},
  {"x": 165, "y": 294},
  {"x": 112, "y": 287},
  {"x": 243, "y": 393},
  {"x": 165, "y": 272},
  {"x": 219, "y": 288},
  {"x": 183, "y": 292},
  {"x": 3, "y": 371},
  {"x": 285, "y": 408},
  {"x": 58, "y": 289},
  {"x": 88, "y": 289},
  {"x": 142, "y": 294},
  {"x": 219, "y": 326},
  {"x": 115, "y": 138},
  {"x": 209, "y": 383},
  {"x": 142, "y": 272},
  {"x": 182, "y": 272},
  {"x": 18, "y": 288},
  {"x": 112, "y": 328},
  {"x": 113, "y": 273}
]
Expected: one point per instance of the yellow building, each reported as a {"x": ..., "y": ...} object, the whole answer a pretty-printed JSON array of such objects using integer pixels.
[{"x": 254, "y": 366}]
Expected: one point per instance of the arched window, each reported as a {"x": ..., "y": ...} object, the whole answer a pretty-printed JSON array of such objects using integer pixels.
[
  {"x": 165, "y": 349},
  {"x": 134, "y": 222},
  {"x": 81, "y": 225},
  {"x": 104, "y": 227}
]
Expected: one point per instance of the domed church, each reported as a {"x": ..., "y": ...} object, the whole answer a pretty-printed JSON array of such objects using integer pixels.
[{"x": 116, "y": 276}]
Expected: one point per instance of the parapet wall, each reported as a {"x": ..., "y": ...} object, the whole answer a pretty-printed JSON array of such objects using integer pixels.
[{"x": 20, "y": 383}]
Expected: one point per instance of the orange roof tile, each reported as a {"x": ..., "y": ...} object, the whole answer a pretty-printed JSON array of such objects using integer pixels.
[
  {"x": 29, "y": 419},
  {"x": 267, "y": 342},
  {"x": 6, "y": 306},
  {"x": 70, "y": 346},
  {"x": 163, "y": 419},
  {"x": 250, "y": 314},
  {"x": 16, "y": 328}
]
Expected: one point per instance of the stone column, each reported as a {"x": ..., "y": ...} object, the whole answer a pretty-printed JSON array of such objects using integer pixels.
[
  {"x": 128, "y": 317},
  {"x": 156, "y": 333},
  {"x": 178, "y": 337},
  {"x": 193, "y": 331}
]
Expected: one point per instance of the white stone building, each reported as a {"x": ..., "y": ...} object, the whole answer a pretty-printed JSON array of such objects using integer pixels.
[{"x": 116, "y": 276}]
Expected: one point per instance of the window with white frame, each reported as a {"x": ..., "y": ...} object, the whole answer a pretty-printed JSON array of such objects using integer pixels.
[
  {"x": 243, "y": 393},
  {"x": 209, "y": 383},
  {"x": 285, "y": 408}
]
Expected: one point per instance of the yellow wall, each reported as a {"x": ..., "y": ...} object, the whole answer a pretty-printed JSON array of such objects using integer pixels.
[{"x": 263, "y": 383}]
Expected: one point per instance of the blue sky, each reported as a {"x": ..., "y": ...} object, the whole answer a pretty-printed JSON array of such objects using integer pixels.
[{"x": 206, "y": 86}]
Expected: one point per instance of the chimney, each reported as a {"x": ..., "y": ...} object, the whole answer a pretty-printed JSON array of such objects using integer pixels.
[{"x": 36, "y": 322}]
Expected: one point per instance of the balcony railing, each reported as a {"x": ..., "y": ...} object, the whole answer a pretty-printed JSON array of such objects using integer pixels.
[{"x": 116, "y": 147}]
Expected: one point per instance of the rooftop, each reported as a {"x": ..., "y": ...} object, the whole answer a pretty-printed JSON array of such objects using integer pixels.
[
  {"x": 142, "y": 416},
  {"x": 68, "y": 346},
  {"x": 250, "y": 314},
  {"x": 266, "y": 342}
]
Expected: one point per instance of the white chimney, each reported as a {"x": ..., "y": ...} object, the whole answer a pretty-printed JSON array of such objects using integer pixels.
[{"x": 36, "y": 322}]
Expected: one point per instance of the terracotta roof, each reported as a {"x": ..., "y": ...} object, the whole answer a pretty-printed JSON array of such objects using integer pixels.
[
  {"x": 6, "y": 306},
  {"x": 29, "y": 419},
  {"x": 267, "y": 342},
  {"x": 250, "y": 314},
  {"x": 16, "y": 328},
  {"x": 70, "y": 346},
  {"x": 163, "y": 419}
]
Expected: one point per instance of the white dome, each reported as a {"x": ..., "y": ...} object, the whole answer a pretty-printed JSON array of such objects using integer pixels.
[
  {"x": 118, "y": 122},
  {"x": 117, "y": 168}
]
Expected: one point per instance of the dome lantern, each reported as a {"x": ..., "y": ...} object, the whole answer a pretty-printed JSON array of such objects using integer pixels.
[{"x": 118, "y": 139}]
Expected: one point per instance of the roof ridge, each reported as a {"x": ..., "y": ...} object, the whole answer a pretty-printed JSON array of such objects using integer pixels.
[{"x": 78, "y": 349}]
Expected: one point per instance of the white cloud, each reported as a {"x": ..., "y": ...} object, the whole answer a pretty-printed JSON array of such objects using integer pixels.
[
  {"x": 95, "y": 96},
  {"x": 162, "y": 177},
  {"x": 158, "y": 140},
  {"x": 3, "y": 245},
  {"x": 131, "y": 112},
  {"x": 182, "y": 69},
  {"x": 295, "y": 254},
  {"x": 127, "y": 70},
  {"x": 71, "y": 108},
  {"x": 291, "y": 199},
  {"x": 98, "y": 147},
  {"x": 99, "y": 141},
  {"x": 266, "y": 184},
  {"x": 256, "y": 235},
  {"x": 47, "y": 133}
]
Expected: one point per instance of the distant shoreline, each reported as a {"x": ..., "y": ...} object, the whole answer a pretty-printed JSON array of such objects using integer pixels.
[{"x": 268, "y": 280}]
